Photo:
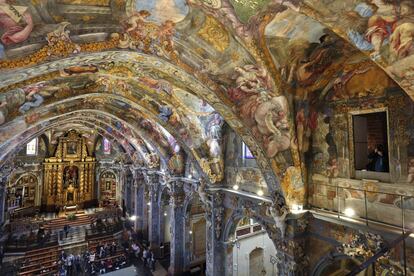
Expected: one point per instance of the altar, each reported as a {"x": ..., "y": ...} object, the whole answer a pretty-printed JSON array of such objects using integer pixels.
[{"x": 69, "y": 175}]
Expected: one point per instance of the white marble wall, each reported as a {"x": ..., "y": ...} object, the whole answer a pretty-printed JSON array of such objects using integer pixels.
[{"x": 247, "y": 245}]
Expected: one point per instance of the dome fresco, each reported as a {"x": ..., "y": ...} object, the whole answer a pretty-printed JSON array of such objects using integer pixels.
[{"x": 298, "y": 52}]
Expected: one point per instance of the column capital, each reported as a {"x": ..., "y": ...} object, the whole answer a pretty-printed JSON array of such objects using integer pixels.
[
  {"x": 177, "y": 194},
  {"x": 151, "y": 178}
]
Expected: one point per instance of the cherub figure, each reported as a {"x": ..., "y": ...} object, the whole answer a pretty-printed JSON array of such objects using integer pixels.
[
  {"x": 136, "y": 20},
  {"x": 250, "y": 78},
  {"x": 279, "y": 212},
  {"x": 201, "y": 190},
  {"x": 280, "y": 218}
]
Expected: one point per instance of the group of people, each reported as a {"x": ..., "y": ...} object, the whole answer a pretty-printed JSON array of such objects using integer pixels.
[
  {"x": 92, "y": 263},
  {"x": 147, "y": 255}
]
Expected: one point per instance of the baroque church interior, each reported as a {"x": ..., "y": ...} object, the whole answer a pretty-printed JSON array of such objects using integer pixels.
[{"x": 206, "y": 137}]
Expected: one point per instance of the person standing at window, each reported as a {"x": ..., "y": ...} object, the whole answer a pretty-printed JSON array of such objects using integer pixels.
[{"x": 378, "y": 160}]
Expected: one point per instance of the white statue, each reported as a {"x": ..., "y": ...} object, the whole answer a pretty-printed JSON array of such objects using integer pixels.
[
  {"x": 201, "y": 190},
  {"x": 280, "y": 218}
]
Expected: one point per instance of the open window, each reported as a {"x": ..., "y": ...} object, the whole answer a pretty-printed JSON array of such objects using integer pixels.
[
  {"x": 31, "y": 147},
  {"x": 106, "y": 146},
  {"x": 247, "y": 154},
  {"x": 370, "y": 145}
]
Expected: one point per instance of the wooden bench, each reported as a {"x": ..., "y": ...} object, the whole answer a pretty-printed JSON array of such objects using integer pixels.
[
  {"x": 94, "y": 242},
  {"x": 100, "y": 238},
  {"x": 26, "y": 267},
  {"x": 40, "y": 260},
  {"x": 41, "y": 250},
  {"x": 33, "y": 271}
]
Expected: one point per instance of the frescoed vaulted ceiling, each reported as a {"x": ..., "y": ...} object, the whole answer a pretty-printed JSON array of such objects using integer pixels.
[{"x": 162, "y": 78}]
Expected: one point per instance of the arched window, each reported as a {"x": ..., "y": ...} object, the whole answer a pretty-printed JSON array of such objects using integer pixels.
[
  {"x": 106, "y": 146},
  {"x": 31, "y": 147}
]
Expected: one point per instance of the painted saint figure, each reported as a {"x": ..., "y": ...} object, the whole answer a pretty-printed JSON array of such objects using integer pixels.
[
  {"x": 71, "y": 176},
  {"x": 16, "y": 22},
  {"x": 388, "y": 23}
]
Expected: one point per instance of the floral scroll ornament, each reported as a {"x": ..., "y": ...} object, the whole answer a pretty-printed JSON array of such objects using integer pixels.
[
  {"x": 365, "y": 245},
  {"x": 362, "y": 246}
]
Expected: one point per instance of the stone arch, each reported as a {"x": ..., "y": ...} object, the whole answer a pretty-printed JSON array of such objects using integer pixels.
[
  {"x": 32, "y": 190},
  {"x": 230, "y": 229},
  {"x": 337, "y": 263},
  {"x": 189, "y": 240},
  {"x": 180, "y": 76},
  {"x": 77, "y": 116},
  {"x": 256, "y": 261}
]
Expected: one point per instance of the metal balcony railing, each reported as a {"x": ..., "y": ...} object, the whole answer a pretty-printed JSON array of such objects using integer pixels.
[{"x": 373, "y": 208}]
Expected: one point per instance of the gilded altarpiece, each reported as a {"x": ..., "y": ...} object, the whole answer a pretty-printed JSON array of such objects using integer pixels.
[{"x": 69, "y": 175}]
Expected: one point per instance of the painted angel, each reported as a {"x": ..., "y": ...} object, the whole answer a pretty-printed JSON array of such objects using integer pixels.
[
  {"x": 388, "y": 23},
  {"x": 251, "y": 79},
  {"x": 16, "y": 22}
]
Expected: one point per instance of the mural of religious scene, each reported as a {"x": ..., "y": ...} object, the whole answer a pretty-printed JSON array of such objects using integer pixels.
[{"x": 108, "y": 186}]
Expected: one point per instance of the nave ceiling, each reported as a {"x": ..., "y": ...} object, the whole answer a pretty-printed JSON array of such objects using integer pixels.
[{"x": 164, "y": 78}]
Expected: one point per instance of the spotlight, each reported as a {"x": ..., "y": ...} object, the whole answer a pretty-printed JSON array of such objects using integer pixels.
[
  {"x": 191, "y": 232},
  {"x": 132, "y": 218},
  {"x": 260, "y": 193},
  {"x": 349, "y": 212},
  {"x": 190, "y": 176},
  {"x": 235, "y": 187},
  {"x": 149, "y": 203},
  {"x": 165, "y": 214}
]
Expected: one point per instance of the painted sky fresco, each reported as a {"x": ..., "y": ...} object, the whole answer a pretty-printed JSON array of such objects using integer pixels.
[{"x": 163, "y": 10}]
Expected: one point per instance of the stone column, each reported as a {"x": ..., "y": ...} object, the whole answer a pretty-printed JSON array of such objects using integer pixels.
[
  {"x": 154, "y": 213},
  {"x": 135, "y": 197},
  {"x": 2, "y": 202},
  {"x": 216, "y": 248},
  {"x": 135, "y": 194},
  {"x": 177, "y": 196},
  {"x": 142, "y": 211},
  {"x": 5, "y": 172},
  {"x": 291, "y": 258}
]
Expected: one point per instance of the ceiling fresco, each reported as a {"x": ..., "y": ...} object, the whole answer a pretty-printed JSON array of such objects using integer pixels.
[
  {"x": 163, "y": 78},
  {"x": 381, "y": 29},
  {"x": 163, "y": 10}
]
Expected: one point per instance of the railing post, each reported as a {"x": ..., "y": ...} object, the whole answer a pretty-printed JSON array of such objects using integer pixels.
[
  {"x": 366, "y": 207},
  {"x": 338, "y": 201},
  {"x": 403, "y": 232}
]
